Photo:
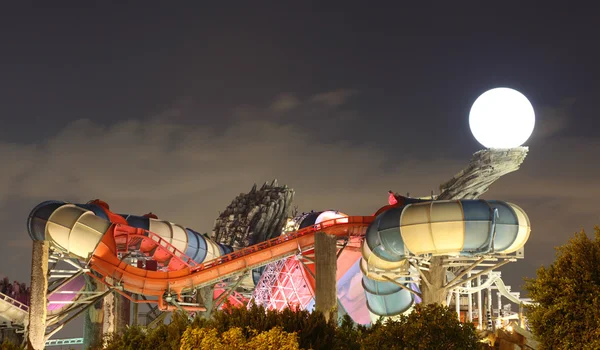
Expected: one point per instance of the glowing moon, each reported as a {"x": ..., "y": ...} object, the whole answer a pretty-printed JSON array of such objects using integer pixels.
[{"x": 502, "y": 118}]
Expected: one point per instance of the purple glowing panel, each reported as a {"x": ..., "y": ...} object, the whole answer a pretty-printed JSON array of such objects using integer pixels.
[
  {"x": 416, "y": 288},
  {"x": 75, "y": 285},
  {"x": 352, "y": 295}
]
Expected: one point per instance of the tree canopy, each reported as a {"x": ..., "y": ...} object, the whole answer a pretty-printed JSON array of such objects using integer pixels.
[
  {"x": 567, "y": 315},
  {"x": 427, "y": 327},
  {"x": 432, "y": 326}
]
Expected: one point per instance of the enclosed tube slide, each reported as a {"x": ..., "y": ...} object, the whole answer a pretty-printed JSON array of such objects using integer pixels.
[
  {"x": 76, "y": 229},
  {"x": 460, "y": 227},
  {"x": 106, "y": 241}
]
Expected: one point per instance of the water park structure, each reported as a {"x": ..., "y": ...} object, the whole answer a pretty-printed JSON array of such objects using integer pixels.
[{"x": 441, "y": 248}]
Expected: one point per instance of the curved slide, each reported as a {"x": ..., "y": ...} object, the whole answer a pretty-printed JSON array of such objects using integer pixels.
[
  {"x": 460, "y": 228},
  {"x": 508, "y": 295},
  {"x": 148, "y": 256},
  {"x": 145, "y": 255}
]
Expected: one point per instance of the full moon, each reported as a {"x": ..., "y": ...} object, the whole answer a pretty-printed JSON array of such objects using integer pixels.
[{"x": 502, "y": 118}]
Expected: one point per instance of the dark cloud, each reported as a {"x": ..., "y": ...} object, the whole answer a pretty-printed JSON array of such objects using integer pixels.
[
  {"x": 334, "y": 98},
  {"x": 552, "y": 120},
  {"x": 187, "y": 173},
  {"x": 285, "y": 102},
  {"x": 187, "y": 106}
]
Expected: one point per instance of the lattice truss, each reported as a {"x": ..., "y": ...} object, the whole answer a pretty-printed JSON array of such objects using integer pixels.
[{"x": 283, "y": 285}]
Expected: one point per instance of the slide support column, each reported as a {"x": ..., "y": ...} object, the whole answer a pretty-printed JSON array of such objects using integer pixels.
[
  {"x": 36, "y": 330},
  {"x": 326, "y": 270}
]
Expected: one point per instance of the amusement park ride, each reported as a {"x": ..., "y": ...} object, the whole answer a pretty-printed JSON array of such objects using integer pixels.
[{"x": 384, "y": 261}]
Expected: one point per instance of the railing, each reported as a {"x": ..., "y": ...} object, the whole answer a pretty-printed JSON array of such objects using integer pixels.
[
  {"x": 348, "y": 222},
  {"x": 61, "y": 342},
  {"x": 186, "y": 260},
  {"x": 14, "y": 302},
  {"x": 125, "y": 235}
]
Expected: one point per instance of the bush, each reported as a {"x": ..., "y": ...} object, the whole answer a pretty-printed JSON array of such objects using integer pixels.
[
  {"x": 428, "y": 327},
  {"x": 8, "y": 345},
  {"x": 234, "y": 339},
  {"x": 164, "y": 337},
  {"x": 314, "y": 332}
]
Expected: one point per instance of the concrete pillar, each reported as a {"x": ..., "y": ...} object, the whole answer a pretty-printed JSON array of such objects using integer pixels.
[
  {"x": 116, "y": 313},
  {"x": 135, "y": 311},
  {"x": 123, "y": 306},
  {"x": 36, "y": 329},
  {"x": 93, "y": 321},
  {"x": 205, "y": 296},
  {"x": 326, "y": 270},
  {"x": 436, "y": 293},
  {"x": 109, "y": 321}
]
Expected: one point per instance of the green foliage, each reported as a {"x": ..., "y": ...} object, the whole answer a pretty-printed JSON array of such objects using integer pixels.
[
  {"x": 133, "y": 338},
  {"x": 428, "y": 327},
  {"x": 164, "y": 337},
  {"x": 349, "y": 334},
  {"x": 568, "y": 295},
  {"x": 234, "y": 339},
  {"x": 8, "y": 345},
  {"x": 313, "y": 330}
]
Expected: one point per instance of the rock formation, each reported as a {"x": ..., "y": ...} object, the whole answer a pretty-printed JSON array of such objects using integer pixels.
[
  {"x": 254, "y": 217},
  {"x": 251, "y": 218},
  {"x": 93, "y": 322},
  {"x": 483, "y": 170}
]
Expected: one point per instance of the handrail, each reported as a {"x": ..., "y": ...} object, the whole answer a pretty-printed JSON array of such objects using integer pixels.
[
  {"x": 60, "y": 342},
  {"x": 226, "y": 266},
  {"x": 186, "y": 260},
  {"x": 131, "y": 232},
  {"x": 346, "y": 221},
  {"x": 14, "y": 302}
]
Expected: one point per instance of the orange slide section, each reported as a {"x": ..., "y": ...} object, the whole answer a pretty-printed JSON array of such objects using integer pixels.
[{"x": 105, "y": 261}]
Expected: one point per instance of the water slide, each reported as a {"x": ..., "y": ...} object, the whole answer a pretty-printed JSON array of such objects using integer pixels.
[
  {"x": 144, "y": 255},
  {"x": 457, "y": 228},
  {"x": 508, "y": 295}
]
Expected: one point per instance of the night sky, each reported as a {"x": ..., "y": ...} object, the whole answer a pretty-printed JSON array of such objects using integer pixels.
[{"x": 177, "y": 109}]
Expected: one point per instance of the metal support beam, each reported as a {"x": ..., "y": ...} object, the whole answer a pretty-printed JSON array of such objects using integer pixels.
[
  {"x": 228, "y": 293},
  {"x": 450, "y": 287},
  {"x": 51, "y": 333},
  {"x": 479, "y": 306},
  {"x": 402, "y": 286},
  {"x": 467, "y": 270},
  {"x": 423, "y": 278}
]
